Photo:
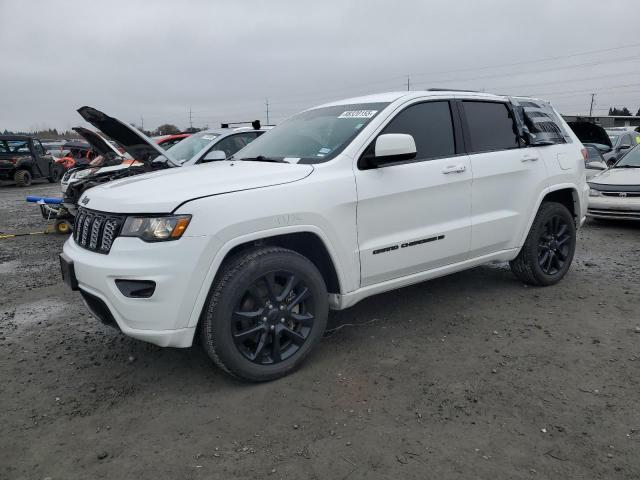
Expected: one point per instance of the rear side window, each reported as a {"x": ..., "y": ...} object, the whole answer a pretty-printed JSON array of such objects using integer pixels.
[
  {"x": 491, "y": 126},
  {"x": 541, "y": 121},
  {"x": 431, "y": 126}
]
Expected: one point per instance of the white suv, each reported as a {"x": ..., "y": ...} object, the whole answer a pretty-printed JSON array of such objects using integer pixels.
[{"x": 337, "y": 203}]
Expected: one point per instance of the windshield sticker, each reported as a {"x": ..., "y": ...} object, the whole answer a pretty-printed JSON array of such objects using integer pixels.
[
  {"x": 358, "y": 114},
  {"x": 208, "y": 137},
  {"x": 324, "y": 150}
]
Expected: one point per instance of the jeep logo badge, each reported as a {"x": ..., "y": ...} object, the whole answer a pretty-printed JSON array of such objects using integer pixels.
[{"x": 85, "y": 200}]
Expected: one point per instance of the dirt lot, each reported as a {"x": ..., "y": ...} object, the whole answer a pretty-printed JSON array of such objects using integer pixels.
[{"x": 469, "y": 376}]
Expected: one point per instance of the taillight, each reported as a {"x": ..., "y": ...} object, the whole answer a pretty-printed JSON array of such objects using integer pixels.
[{"x": 584, "y": 154}]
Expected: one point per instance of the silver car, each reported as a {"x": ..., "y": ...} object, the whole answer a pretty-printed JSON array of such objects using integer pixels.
[{"x": 615, "y": 193}]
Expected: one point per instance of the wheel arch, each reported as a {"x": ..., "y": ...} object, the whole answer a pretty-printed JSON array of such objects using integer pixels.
[
  {"x": 307, "y": 240},
  {"x": 565, "y": 194}
]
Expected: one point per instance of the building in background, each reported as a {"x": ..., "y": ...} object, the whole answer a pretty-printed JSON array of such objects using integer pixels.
[{"x": 606, "y": 121}]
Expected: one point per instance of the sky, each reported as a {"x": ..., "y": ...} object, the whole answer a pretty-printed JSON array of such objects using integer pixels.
[{"x": 151, "y": 62}]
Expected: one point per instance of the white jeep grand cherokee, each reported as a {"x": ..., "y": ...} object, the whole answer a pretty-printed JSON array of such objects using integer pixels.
[{"x": 337, "y": 203}]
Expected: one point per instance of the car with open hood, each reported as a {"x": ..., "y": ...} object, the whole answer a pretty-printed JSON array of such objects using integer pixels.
[
  {"x": 143, "y": 154},
  {"x": 338, "y": 203},
  {"x": 622, "y": 140},
  {"x": 615, "y": 193},
  {"x": 597, "y": 144}
]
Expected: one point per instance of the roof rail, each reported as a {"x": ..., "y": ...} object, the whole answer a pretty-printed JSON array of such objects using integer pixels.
[
  {"x": 255, "y": 124},
  {"x": 451, "y": 90}
]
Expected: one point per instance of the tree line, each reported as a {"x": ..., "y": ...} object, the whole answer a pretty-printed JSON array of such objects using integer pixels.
[{"x": 624, "y": 112}]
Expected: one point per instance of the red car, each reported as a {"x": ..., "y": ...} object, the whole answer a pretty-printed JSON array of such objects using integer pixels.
[{"x": 168, "y": 141}]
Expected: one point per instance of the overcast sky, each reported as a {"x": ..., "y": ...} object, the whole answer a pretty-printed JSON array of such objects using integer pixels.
[{"x": 223, "y": 58}]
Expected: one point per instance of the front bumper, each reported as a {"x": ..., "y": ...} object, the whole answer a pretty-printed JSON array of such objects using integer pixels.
[
  {"x": 615, "y": 208},
  {"x": 175, "y": 267}
]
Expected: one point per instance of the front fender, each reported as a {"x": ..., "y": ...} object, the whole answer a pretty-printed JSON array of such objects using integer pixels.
[{"x": 219, "y": 251}]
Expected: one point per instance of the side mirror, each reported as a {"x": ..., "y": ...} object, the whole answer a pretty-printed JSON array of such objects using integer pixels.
[
  {"x": 392, "y": 147},
  {"x": 596, "y": 165},
  {"x": 214, "y": 155}
]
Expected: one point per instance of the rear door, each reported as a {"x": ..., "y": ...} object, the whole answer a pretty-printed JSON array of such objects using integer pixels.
[
  {"x": 415, "y": 215},
  {"x": 507, "y": 178}
]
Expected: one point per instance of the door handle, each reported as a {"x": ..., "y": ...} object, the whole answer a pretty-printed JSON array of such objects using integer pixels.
[
  {"x": 528, "y": 157},
  {"x": 454, "y": 169}
]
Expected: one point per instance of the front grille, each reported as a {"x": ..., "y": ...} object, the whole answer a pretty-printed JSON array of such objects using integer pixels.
[{"x": 96, "y": 231}]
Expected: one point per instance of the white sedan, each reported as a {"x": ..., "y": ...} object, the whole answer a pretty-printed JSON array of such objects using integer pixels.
[{"x": 615, "y": 193}]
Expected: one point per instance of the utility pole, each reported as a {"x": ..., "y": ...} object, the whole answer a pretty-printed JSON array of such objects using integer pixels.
[
  {"x": 190, "y": 119},
  {"x": 408, "y": 83},
  {"x": 266, "y": 102},
  {"x": 141, "y": 122},
  {"x": 591, "y": 107}
]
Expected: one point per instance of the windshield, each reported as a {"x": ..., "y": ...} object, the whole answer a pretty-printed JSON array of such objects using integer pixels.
[
  {"x": 313, "y": 136},
  {"x": 630, "y": 160},
  {"x": 613, "y": 138},
  {"x": 187, "y": 148}
]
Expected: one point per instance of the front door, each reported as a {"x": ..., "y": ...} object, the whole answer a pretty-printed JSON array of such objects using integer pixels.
[{"x": 414, "y": 216}]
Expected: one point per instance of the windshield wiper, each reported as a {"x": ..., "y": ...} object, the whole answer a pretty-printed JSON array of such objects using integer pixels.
[
  {"x": 626, "y": 166},
  {"x": 262, "y": 158}
]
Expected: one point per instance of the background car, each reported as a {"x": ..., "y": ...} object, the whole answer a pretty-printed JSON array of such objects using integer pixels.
[
  {"x": 594, "y": 163},
  {"x": 621, "y": 142},
  {"x": 615, "y": 193}
]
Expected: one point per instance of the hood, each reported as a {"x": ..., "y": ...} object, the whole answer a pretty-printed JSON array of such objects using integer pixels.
[
  {"x": 164, "y": 190},
  {"x": 618, "y": 176},
  {"x": 135, "y": 143},
  {"x": 588, "y": 132},
  {"x": 97, "y": 141}
]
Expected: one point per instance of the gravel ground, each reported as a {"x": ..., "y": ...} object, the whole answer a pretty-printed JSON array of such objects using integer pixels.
[{"x": 469, "y": 376}]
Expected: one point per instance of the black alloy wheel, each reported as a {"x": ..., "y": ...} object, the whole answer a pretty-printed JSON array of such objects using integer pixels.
[
  {"x": 266, "y": 311},
  {"x": 553, "y": 245},
  {"x": 273, "y": 318}
]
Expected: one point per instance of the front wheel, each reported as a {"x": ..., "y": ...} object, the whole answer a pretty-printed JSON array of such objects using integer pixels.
[
  {"x": 267, "y": 310},
  {"x": 548, "y": 251},
  {"x": 56, "y": 174}
]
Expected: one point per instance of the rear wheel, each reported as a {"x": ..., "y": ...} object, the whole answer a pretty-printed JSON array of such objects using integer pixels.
[
  {"x": 266, "y": 312},
  {"x": 548, "y": 251},
  {"x": 22, "y": 178}
]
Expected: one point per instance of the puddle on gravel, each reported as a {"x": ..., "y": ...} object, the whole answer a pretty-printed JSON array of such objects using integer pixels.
[{"x": 10, "y": 266}]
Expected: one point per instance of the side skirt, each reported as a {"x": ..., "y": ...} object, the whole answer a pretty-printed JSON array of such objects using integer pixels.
[{"x": 342, "y": 301}]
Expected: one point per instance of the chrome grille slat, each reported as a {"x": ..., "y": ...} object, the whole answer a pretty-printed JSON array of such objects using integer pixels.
[{"x": 96, "y": 231}]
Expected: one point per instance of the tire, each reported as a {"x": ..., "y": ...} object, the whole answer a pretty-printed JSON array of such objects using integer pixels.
[
  {"x": 63, "y": 227},
  {"x": 22, "y": 178},
  {"x": 241, "y": 288},
  {"x": 56, "y": 175},
  {"x": 548, "y": 250}
]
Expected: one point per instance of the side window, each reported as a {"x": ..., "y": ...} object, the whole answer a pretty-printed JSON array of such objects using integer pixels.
[
  {"x": 431, "y": 126},
  {"x": 626, "y": 141},
  {"x": 491, "y": 126},
  {"x": 233, "y": 143}
]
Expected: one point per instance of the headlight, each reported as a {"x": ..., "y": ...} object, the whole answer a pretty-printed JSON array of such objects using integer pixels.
[
  {"x": 594, "y": 193},
  {"x": 156, "y": 229},
  {"x": 83, "y": 173}
]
